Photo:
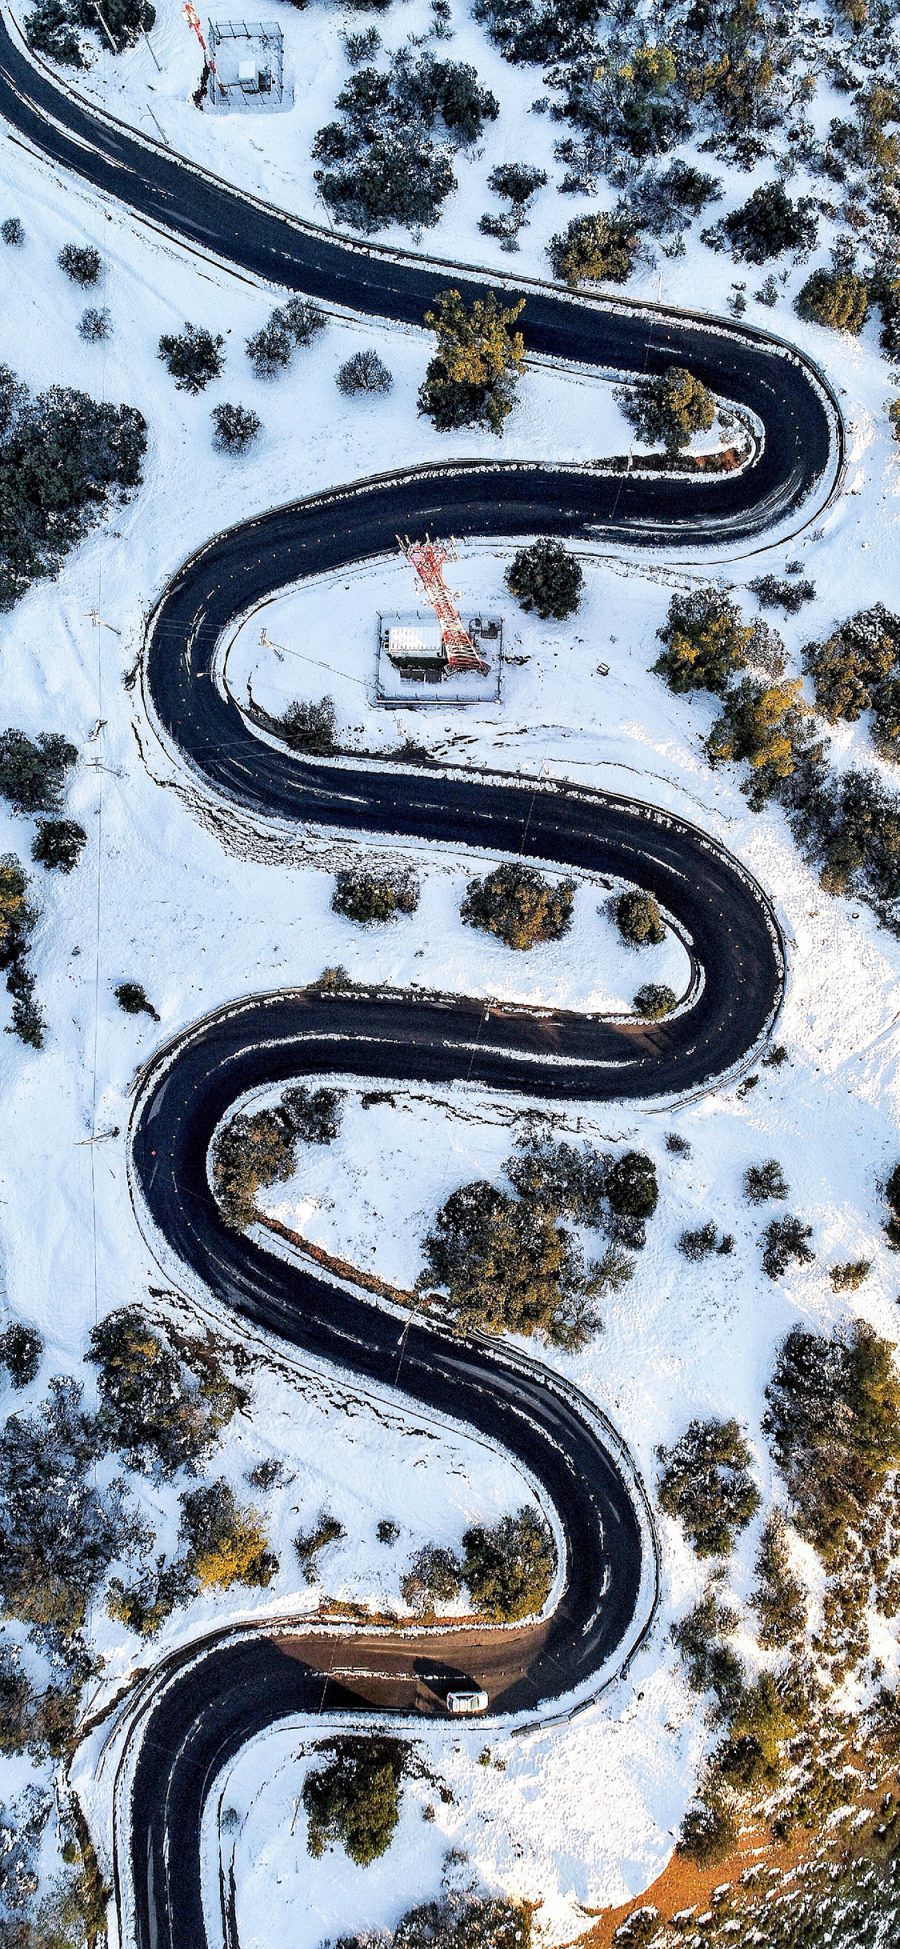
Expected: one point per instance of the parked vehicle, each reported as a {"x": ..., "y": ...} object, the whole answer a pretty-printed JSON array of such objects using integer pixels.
[{"x": 459, "y": 1702}]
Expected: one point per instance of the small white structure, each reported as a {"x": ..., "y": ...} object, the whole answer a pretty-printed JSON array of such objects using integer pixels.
[
  {"x": 246, "y": 63},
  {"x": 414, "y": 666}
]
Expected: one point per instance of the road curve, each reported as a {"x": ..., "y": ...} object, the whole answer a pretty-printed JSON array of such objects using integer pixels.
[{"x": 201, "y": 1706}]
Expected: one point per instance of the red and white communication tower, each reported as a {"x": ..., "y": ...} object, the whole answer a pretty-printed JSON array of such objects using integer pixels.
[
  {"x": 427, "y": 559},
  {"x": 193, "y": 20}
]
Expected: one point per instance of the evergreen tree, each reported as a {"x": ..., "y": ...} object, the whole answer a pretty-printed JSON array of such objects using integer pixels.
[
  {"x": 471, "y": 379},
  {"x": 670, "y": 408},
  {"x": 836, "y": 298},
  {"x": 638, "y": 918},
  {"x": 225, "y": 1543},
  {"x": 546, "y": 577},
  {"x": 194, "y": 357},
  {"x": 355, "y": 1799},
  {"x": 705, "y": 1483},
  {"x": 517, "y": 904},
  {"x": 705, "y": 640},
  {"x": 594, "y": 250},
  {"x": 509, "y": 1568}
]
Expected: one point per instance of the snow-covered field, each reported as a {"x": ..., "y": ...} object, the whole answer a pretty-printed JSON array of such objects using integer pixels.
[{"x": 583, "y": 1815}]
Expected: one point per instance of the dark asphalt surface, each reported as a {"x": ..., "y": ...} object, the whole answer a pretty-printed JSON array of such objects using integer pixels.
[{"x": 212, "y": 1702}]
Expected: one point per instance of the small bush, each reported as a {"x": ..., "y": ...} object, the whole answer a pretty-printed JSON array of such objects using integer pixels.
[
  {"x": 193, "y": 357},
  {"x": 594, "y": 249},
  {"x": 705, "y": 1484},
  {"x": 705, "y": 1240},
  {"x": 655, "y": 1000},
  {"x": 785, "y": 1243},
  {"x": 81, "y": 262},
  {"x": 770, "y": 223},
  {"x": 546, "y": 577},
  {"x": 235, "y": 427},
  {"x": 638, "y": 918},
  {"x": 847, "y": 1278},
  {"x": 519, "y": 906},
  {"x": 94, "y": 325},
  {"x": 365, "y": 372},
  {"x": 789, "y": 594},
  {"x": 764, "y": 1181},
  {"x": 12, "y": 230},
  {"x": 309, "y": 1543},
  {"x": 163, "y": 1404},
  {"x": 370, "y": 896},
  {"x": 434, "y": 1577},
  {"x": 21, "y": 1352},
  {"x": 132, "y": 998},
  {"x": 517, "y": 181},
  {"x": 310, "y": 728},
  {"x": 58, "y": 844},
  {"x": 270, "y": 350},
  {"x": 778, "y": 1598},
  {"x": 630, "y": 1185},
  {"x": 387, "y": 1531}
]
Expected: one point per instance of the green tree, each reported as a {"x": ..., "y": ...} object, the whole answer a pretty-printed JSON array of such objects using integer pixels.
[
  {"x": 669, "y": 408},
  {"x": 519, "y": 905},
  {"x": 354, "y": 1799},
  {"x": 763, "y": 726},
  {"x": 58, "y": 844},
  {"x": 33, "y": 772},
  {"x": 778, "y": 1596},
  {"x": 705, "y": 1483},
  {"x": 598, "y": 249},
  {"x": 836, "y": 298},
  {"x": 163, "y": 1407},
  {"x": 369, "y": 896},
  {"x": 546, "y": 577},
  {"x": 770, "y": 223},
  {"x": 225, "y": 1542},
  {"x": 471, "y": 378},
  {"x": 705, "y": 640},
  {"x": 509, "y": 1569},
  {"x": 193, "y": 357},
  {"x": 638, "y": 918},
  {"x": 310, "y": 728}
]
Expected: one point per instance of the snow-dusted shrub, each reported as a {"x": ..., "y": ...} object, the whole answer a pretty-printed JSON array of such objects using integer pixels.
[
  {"x": 310, "y": 728},
  {"x": 704, "y": 1240},
  {"x": 81, "y": 262},
  {"x": 21, "y": 1352},
  {"x": 705, "y": 640},
  {"x": 365, "y": 372},
  {"x": 50, "y": 29},
  {"x": 33, "y": 772},
  {"x": 785, "y": 1242},
  {"x": 459, "y": 1920},
  {"x": 836, "y": 298},
  {"x": 778, "y": 1597},
  {"x": 519, "y": 906},
  {"x": 309, "y": 1542},
  {"x": 764, "y": 1181},
  {"x": 517, "y": 181},
  {"x": 434, "y": 1577},
  {"x": 58, "y": 844},
  {"x": 361, "y": 46},
  {"x": 193, "y": 357},
  {"x": 369, "y": 895},
  {"x": 94, "y": 325},
  {"x": 235, "y": 427},
  {"x": 774, "y": 592},
  {"x": 12, "y": 230},
  {"x": 547, "y": 578},
  {"x": 765, "y": 726},
  {"x": 505, "y": 1265},
  {"x": 668, "y": 408},
  {"x": 638, "y": 918},
  {"x": 133, "y": 1000},
  {"x": 848, "y": 1277},
  {"x": 509, "y": 1568},
  {"x": 705, "y": 1484},
  {"x": 253, "y": 1151}
]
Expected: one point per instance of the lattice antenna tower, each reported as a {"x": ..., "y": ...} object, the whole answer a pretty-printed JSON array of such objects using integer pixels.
[{"x": 427, "y": 559}]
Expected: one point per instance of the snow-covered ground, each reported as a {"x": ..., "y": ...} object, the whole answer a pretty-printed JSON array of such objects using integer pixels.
[{"x": 586, "y": 1814}]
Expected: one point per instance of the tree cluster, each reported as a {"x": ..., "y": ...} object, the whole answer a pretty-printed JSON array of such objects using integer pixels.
[
  {"x": 224, "y": 1541},
  {"x": 856, "y": 669},
  {"x": 18, "y": 919},
  {"x": 517, "y": 904},
  {"x": 164, "y": 1401},
  {"x": 833, "y": 1421},
  {"x": 471, "y": 378},
  {"x": 771, "y": 222},
  {"x": 507, "y": 1568},
  {"x": 706, "y": 640},
  {"x": 62, "y": 458},
  {"x": 295, "y": 323},
  {"x": 387, "y": 159},
  {"x": 255, "y": 1150},
  {"x": 52, "y": 27}
]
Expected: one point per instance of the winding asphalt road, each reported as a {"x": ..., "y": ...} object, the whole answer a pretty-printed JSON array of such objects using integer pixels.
[{"x": 202, "y": 1706}]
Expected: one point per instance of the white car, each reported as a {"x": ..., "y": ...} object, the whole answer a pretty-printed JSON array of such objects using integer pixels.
[{"x": 467, "y": 1701}]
